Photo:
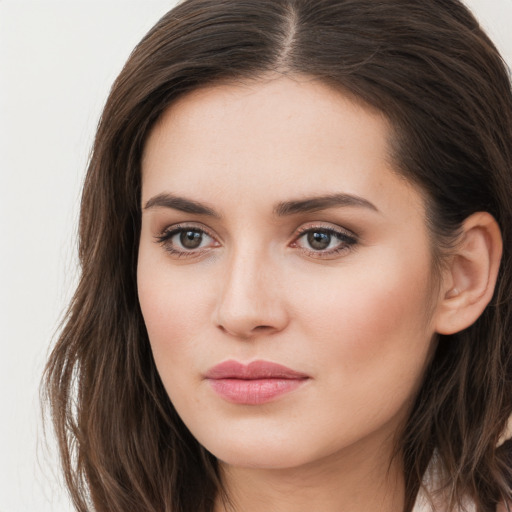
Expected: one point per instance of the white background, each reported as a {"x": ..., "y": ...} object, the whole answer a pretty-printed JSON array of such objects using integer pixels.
[{"x": 57, "y": 62}]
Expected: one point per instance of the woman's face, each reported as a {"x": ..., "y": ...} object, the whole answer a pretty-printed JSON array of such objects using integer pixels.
[{"x": 275, "y": 232}]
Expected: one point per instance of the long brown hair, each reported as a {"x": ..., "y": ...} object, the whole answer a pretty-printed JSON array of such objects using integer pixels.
[{"x": 432, "y": 71}]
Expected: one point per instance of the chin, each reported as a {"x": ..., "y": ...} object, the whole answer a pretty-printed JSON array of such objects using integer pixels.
[
  {"x": 262, "y": 459},
  {"x": 257, "y": 453}
]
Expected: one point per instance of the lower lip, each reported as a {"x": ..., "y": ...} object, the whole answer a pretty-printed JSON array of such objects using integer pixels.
[{"x": 254, "y": 391}]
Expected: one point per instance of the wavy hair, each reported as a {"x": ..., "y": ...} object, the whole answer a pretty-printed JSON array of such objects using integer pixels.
[{"x": 432, "y": 71}]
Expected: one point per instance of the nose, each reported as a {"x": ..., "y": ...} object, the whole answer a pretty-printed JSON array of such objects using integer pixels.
[{"x": 251, "y": 298}]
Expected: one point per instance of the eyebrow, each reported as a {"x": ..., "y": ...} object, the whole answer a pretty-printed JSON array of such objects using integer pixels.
[
  {"x": 282, "y": 209},
  {"x": 318, "y": 203},
  {"x": 180, "y": 203}
]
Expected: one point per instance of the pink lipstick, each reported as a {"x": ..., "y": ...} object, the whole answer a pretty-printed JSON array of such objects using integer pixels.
[{"x": 255, "y": 383}]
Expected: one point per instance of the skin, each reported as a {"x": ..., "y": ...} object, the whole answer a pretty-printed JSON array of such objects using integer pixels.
[{"x": 360, "y": 322}]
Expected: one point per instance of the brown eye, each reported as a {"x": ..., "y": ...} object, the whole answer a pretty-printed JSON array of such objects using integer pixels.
[
  {"x": 191, "y": 239},
  {"x": 319, "y": 240},
  {"x": 324, "y": 242},
  {"x": 186, "y": 241}
]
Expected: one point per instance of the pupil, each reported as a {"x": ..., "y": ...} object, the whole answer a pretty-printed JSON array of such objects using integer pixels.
[
  {"x": 191, "y": 239},
  {"x": 318, "y": 240}
]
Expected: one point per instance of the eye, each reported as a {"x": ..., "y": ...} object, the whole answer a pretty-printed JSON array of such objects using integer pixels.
[
  {"x": 190, "y": 239},
  {"x": 323, "y": 241},
  {"x": 185, "y": 240}
]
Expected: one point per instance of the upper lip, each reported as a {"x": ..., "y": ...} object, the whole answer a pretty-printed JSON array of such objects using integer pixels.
[{"x": 255, "y": 370}]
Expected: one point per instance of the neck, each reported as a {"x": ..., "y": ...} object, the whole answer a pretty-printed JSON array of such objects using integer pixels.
[{"x": 336, "y": 484}]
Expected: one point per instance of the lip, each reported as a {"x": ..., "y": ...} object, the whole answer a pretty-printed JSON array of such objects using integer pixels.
[{"x": 255, "y": 383}]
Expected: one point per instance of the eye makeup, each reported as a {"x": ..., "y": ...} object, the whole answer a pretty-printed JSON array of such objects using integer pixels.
[
  {"x": 320, "y": 241},
  {"x": 317, "y": 241}
]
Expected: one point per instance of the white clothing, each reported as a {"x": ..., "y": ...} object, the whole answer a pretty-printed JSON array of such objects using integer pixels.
[{"x": 424, "y": 504}]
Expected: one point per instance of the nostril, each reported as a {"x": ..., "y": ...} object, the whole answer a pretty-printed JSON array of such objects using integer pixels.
[
  {"x": 247, "y": 333},
  {"x": 262, "y": 328}
]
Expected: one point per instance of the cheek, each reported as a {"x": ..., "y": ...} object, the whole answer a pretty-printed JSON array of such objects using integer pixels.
[
  {"x": 374, "y": 323},
  {"x": 171, "y": 309},
  {"x": 174, "y": 308}
]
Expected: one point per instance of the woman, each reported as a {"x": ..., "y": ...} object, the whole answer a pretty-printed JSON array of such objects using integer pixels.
[{"x": 295, "y": 242}]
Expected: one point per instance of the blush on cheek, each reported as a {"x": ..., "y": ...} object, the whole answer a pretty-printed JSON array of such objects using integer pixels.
[
  {"x": 377, "y": 315},
  {"x": 174, "y": 312}
]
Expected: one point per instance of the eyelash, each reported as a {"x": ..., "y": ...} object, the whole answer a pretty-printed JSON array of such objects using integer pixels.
[
  {"x": 166, "y": 236},
  {"x": 347, "y": 240}
]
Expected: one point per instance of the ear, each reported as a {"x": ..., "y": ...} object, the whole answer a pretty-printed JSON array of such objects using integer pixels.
[{"x": 468, "y": 282}]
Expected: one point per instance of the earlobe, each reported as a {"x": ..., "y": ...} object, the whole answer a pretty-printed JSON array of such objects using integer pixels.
[{"x": 470, "y": 279}]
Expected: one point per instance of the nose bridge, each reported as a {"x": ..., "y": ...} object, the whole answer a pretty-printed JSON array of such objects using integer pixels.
[{"x": 249, "y": 300}]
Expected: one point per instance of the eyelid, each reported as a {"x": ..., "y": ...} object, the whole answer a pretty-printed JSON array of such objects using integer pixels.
[
  {"x": 348, "y": 239},
  {"x": 186, "y": 225},
  {"x": 164, "y": 236},
  {"x": 325, "y": 226}
]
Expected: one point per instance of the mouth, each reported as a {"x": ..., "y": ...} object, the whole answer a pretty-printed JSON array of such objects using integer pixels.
[{"x": 255, "y": 383}]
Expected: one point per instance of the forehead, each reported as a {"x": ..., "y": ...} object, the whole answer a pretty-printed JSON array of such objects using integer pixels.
[{"x": 283, "y": 136}]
